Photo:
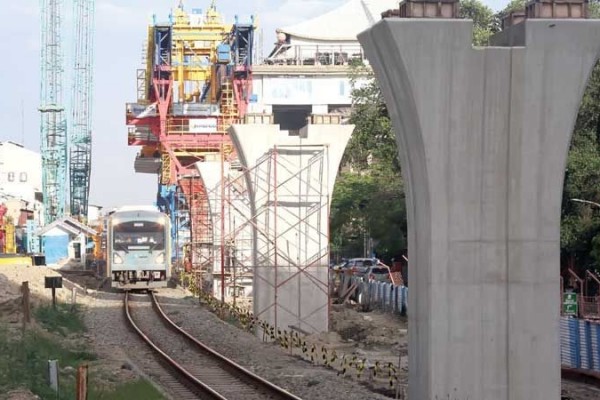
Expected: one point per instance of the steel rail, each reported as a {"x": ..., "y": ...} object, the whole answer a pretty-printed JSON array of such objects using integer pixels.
[
  {"x": 182, "y": 371},
  {"x": 228, "y": 363}
]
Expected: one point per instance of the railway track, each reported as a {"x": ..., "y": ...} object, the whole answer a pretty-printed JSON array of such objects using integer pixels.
[{"x": 205, "y": 372}]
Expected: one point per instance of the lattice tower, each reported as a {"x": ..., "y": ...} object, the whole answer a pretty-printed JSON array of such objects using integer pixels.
[
  {"x": 53, "y": 122},
  {"x": 80, "y": 133}
]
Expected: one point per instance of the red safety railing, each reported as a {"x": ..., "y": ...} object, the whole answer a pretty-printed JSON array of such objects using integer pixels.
[{"x": 589, "y": 306}]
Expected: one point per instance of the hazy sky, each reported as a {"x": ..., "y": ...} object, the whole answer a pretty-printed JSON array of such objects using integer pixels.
[{"x": 119, "y": 35}]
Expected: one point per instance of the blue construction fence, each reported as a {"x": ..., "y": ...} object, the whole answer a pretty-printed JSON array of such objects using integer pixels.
[
  {"x": 580, "y": 343},
  {"x": 382, "y": 296}
]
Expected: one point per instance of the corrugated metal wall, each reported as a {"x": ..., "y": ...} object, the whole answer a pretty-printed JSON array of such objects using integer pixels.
[
  {"x": 377, "y": 295},
  {"x": 580, "y": 343},
  {"x": 383, "y": 296}
]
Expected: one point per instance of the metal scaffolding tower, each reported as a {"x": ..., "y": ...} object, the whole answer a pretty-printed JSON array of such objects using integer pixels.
[
  {"x": 270, "y": 231},
  {"x": 80, "y": 130},
  {"x": 53, "y": 122}
]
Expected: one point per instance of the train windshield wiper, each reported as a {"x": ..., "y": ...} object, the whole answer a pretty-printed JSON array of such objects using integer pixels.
[
  {"x": 153, "y": 246},
  {"x": 122, "y": 246}
]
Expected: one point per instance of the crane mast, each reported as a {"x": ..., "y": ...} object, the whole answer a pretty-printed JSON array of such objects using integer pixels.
[
  {"x": 53, "y": 123},
  {"x": 66, "y": 153},
  {"x": 80, "y": 137}
]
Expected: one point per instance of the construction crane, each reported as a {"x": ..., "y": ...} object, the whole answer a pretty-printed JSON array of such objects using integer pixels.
[
  {"x": 53, "y": 121},
  {"x": 80, "y": 132},
  {"x": 66, "y": 153}
]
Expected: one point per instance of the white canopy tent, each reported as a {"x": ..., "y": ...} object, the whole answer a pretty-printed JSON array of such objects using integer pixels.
[{"x": 343, "y": 23}]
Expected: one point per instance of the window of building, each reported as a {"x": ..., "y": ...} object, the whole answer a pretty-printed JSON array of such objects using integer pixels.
[
  {"x": 11, "y": 176},
  {"x": 23, "y": 177}
]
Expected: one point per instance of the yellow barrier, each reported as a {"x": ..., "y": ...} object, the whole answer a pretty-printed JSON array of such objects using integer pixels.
[
  {"x": 345, "y": 365},
  {"x": 11, "y": 244},
  {"x": 15, "y": 260}
]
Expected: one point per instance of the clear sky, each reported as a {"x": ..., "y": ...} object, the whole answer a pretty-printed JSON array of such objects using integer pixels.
[{"x": 119, "y": 35}]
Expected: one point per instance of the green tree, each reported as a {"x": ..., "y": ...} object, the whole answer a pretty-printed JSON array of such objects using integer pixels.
[
  {"x": 588, "y": 119},
  {"x": 368, "y": 199},
  {"x": 373, "y": 137},
  {"x": 484, "y": 21},
  {"x": 580, "y": 225},
  {"x": 594, "y": 9},
  {"x": 514, "y": 5}
]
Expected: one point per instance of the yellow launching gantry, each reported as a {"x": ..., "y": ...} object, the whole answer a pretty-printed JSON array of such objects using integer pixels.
[
  {"x": 198, "y": 73},
  {"x": 194, "y": 57},
  {"x": 197, "y": 82}
]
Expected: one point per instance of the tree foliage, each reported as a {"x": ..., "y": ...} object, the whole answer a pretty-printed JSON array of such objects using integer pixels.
[
  {"x": 368, "y": 206},
  {"x": 368, "y": 199},
  {"x": 580, "y": 226},
  {"x": 373, "y": 137},
  {"x": 485, "y": 23},
  {"x": 514, "y": 5}
]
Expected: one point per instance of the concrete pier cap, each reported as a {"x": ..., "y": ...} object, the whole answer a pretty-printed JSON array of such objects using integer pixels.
[
  {"x": 483, "y": 135},
  {"x": 290, "y": 180}
]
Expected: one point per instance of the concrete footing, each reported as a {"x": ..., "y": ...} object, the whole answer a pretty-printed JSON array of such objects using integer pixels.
[{"x": 483, "y": 135}]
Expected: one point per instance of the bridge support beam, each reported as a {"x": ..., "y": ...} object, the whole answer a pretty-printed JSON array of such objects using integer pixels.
[
  {"x": 483, "y": 135},
  {"x": 290, "y": 181}
]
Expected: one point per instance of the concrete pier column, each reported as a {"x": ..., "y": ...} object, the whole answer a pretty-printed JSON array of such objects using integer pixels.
[
  {"x": 290, "y": 180},
  {"x": 212, "y": 174},
  {"x": 483, "y": 135}
]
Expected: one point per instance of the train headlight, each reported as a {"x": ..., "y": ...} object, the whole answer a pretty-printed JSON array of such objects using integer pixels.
[
  {"x": 160, "y": 258},
  {"x": 117, "y": 259}
]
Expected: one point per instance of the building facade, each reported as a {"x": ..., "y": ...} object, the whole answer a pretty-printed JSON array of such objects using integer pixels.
[
  {"x": 20, "y": 172},
  {"x": 307, "y": 74},
  {"x": 21, "y": 194}
]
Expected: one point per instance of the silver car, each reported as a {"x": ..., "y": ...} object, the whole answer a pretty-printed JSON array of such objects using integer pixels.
[
  {"x": 359, "y": 266},
  {"x": 379, "y": 273}
]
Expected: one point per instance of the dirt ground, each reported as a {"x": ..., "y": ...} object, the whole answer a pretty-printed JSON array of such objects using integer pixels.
[
  {"x": 383, "y": 337},
  {"x": 105, "y": 374}
]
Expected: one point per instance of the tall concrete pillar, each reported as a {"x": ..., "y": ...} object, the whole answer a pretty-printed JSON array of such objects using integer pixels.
[
  {"x": 483, "y": 136},
  {"x": 212, "y": 174},
  {"x": 290, "y": 181}
]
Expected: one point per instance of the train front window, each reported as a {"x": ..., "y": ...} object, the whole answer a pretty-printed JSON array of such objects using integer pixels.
[{"x": 139, "y": 235}]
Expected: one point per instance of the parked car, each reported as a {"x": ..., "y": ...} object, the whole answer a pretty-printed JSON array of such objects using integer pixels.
[
  {"x": 358, "y": 266},
  {"x": 379, "y": 273}
]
